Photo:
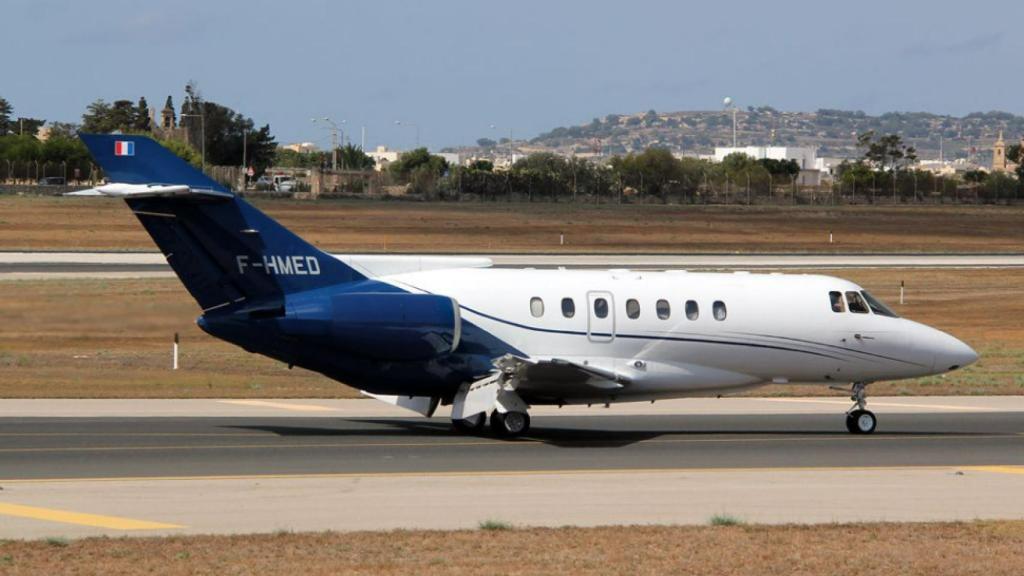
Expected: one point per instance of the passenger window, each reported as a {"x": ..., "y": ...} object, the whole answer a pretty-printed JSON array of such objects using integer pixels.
[
  {"x": 837, "y": 301},
  {"x": 568, "y": 307},
  {"x": 718, "y": 310},
  {"x": 536, "y": 307},
  {"x": 632, "y": 309},
  {"x": 601, "y": 308},
  {"x": 856, "y": 303},
  {"x": 692, "y": 311},
  {"x": 663, "y": 309}
]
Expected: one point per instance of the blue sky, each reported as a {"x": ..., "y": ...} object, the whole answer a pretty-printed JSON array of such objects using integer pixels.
[{"x": 456, "y": 67}]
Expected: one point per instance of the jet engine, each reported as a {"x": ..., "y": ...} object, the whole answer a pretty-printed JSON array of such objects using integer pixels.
[{"x": 381, "y": 326}]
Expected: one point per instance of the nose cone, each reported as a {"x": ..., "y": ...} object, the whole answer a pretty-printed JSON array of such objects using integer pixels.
[{"x": 948, "y": 352}]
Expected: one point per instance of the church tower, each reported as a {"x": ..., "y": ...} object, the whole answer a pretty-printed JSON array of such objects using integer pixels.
[
  {"x": 167, "y": 119},
  {"x": 999, "y": 154}
]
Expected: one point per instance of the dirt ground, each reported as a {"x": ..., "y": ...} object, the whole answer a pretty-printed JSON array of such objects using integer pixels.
[
  {"x": 112, "y": 339},
  {"x": 927, "y": 549},
  {"x": 360, "y": 226}
]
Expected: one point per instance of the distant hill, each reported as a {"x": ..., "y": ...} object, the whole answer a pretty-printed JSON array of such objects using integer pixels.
[{"x": 832, "y": 131}]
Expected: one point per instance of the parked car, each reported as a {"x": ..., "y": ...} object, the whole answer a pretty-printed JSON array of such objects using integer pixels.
[
  {"x": 284, "y": 183},
  {"x": 263, "y": 183},
  {"x": 51, "y": 181}
]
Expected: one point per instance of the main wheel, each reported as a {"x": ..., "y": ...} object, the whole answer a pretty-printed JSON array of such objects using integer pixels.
[
  {"x": 471, "y": 425},
  {"x": 510, "y": 424},
  {"x": 861, "y": 422}
]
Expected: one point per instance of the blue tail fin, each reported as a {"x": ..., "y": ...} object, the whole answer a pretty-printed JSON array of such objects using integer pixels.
[{"x": 226, "y": 252}]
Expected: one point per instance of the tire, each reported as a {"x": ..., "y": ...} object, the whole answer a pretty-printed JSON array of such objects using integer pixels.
[
  {"x": 861, "y": 422},
  {"x": 510, "y": 424},
  {"x": 472, "y": 425}
]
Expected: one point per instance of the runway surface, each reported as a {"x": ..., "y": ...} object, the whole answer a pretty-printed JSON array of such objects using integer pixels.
[
  {"x": 255, "y": 465},
  {"x": 28, "y": 265}
]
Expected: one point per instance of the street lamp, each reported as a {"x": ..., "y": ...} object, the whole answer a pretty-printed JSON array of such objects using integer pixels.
[
  {"x": 334, "y": 138},
  {"x": 731, "y": 106},
  {"x": 202, "y": 123},
  {"x": 416, "y": 126}
]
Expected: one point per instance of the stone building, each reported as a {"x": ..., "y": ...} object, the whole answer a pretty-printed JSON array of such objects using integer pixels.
[{"x": 999, "y": 161}]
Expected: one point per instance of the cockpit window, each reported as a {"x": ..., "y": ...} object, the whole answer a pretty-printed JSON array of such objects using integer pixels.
[
  {"x": 836, "y": 299},
  {"x": 856, "y": 303},
  {"x": 877, "y": 307}
]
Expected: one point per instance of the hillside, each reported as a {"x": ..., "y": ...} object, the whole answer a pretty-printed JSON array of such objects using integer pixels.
[{"x": 832, "y": 131}]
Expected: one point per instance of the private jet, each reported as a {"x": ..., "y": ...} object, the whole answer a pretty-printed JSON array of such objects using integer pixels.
[{"x": 424, "y": 331}]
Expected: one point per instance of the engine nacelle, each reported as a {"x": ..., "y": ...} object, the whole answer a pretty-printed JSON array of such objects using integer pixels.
[{"x": 383, "y": 326}]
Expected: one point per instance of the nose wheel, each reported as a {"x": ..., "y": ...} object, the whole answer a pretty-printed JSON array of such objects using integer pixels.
[{"x": 860, "y": 420}]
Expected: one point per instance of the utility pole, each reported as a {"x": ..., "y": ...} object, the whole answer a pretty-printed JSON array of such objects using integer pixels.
[
  {"x": 245, "y": 136},
  {"x": 333, "y": 127},
  {"x": 202, "y": 128}
]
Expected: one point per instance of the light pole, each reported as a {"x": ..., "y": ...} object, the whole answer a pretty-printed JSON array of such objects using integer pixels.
[
  {"x": 731, "y": 106},
  {"x": 494, "y": 127},
  {"x": 202, "y": 125},
  {"x": 416, "y": 126},
  {"x": 334, "y": 138}
]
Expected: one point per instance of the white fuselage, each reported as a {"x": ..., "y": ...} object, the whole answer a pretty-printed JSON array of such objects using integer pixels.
[{"x": 771, "y": 328}]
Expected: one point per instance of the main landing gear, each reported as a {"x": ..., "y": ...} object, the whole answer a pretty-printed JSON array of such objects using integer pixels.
[
  {"x": 860, "y": 420},
  {"x": 503, "y": 425}
]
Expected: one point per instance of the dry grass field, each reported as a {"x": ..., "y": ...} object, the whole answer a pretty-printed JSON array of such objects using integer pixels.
[
  {"x": 92, "y": 223},
  {"x": 931, "y": 549},
  {"x": 112, "y": 339}
]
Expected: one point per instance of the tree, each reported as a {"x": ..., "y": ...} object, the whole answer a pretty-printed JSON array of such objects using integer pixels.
[
  {"x": 417, "y": 160},
  {"x": 482, "y": 165},
  {"x": 887, "y": 152},
  {"x": 353, "y": 158},
  {"x": 788, "y": 168},
  {"x": 227, "y": 133},
  {"x": 103, "y": 118},
  {"x": 5, "y": 117},
  {"x": 1015, "y": 154},
  {"x": 27, "y": 126},
  {"x": 142, "y": 122}
]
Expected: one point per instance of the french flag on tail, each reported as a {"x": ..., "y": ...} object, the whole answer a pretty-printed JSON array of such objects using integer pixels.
[{"x": 124, "y": 148}]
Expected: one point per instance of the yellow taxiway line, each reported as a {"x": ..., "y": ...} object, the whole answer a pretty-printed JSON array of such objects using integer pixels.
[
  {"x": 997, "y": 469},
  {"x": 81, "y": 519},
  {"x": 522, "y": 443}
]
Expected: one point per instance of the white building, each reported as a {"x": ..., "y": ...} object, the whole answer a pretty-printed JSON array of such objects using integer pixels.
[
  {"x": 811, "y": 167},
  {"x": 383, "y": 156},
  {"x": 302, "y": 147},
  {"x": 452, "y": 158}
]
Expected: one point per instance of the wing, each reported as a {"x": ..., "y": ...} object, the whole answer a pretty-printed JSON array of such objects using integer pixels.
[{"x": 553, "y": 380}]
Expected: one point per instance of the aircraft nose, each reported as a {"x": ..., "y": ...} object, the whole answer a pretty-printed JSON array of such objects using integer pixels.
[{"x": 949, "y": 352}]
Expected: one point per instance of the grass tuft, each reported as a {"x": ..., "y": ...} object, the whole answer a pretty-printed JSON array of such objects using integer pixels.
[
  {"x": 495, "y": 525},
  {"x": 58, "y": 542},
  {"x": 725, "y": 520}
]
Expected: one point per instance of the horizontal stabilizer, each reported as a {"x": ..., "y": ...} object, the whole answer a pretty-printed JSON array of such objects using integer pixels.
[{"x": 150, "y": 191}]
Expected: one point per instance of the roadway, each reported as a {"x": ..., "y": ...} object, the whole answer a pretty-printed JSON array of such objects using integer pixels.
[
  {"x": 229, "y": 466},
  {"x": 27, "y": 265}
]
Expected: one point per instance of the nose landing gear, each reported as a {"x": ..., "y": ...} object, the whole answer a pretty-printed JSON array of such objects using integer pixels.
[{"x": 860, "y": 420}]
